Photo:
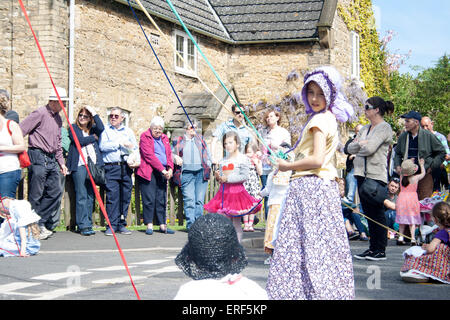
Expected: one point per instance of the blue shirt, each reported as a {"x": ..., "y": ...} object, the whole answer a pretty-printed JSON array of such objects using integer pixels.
[
  {"x": 244, "y": 134},
  {"x": 160, "y": 151},
  {"x": 110, "y": 141}
]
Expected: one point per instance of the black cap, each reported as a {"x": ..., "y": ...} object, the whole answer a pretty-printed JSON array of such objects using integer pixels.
[{"x": 412, "y": 115}]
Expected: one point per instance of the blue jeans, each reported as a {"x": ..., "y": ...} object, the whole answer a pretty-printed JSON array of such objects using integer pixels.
[
  {"x": 84, "y": 196},
  {"x": 193, "y": 188},
  {"x": 266, "y": 199},
  {"x": 390, "y": 219},
  {"x": 9, "y": 182},
  {"x": 350, "y": 183}
]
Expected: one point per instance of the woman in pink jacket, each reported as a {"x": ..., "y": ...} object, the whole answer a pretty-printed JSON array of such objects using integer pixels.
[{"x": 155, "y": 170}]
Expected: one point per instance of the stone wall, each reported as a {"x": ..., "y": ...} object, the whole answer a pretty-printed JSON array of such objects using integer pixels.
[
  {"x": 23, "y": 72},
  {"x": 114, "y": 65}
]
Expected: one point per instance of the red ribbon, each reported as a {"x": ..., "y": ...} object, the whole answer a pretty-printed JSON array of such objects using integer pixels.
[{"x": 77, "y": 143}]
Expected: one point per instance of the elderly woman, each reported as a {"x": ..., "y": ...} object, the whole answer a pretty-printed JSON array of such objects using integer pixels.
[
  {"x": 88, "y": 127},
  {"x": 11, "y": 144},
  {"x": 155, "y": 170}
]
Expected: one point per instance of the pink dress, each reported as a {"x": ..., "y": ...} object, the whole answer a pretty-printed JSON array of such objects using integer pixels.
[{"x": 408, "y": 206}]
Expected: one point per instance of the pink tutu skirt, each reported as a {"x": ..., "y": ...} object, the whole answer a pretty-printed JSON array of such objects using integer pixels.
[{"x": 233, "y": 200}]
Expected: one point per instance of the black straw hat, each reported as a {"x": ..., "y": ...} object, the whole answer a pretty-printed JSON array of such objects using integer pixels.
[{"x": 212, "y": 250}]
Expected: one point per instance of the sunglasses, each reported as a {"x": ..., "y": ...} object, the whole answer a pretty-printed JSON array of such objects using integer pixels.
[
  {"x": 395, "y": 180},
  {"x": 83, "y": 116},
  {"x": 237, "y": 113},
  {"x": 114, "y": 116},
  {"x": 369, "y": 107}
]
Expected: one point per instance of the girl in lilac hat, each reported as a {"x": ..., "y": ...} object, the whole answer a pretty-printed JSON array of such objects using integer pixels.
[{"x": 312, "y": 259}]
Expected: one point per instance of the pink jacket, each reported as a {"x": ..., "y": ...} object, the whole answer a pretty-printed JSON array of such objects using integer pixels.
[{"x": 149, "y": 161}]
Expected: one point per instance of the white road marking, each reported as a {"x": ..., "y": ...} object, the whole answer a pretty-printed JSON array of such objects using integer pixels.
[
  {"x": 147, "y": 262},
  {"x": 11, "y": 288},
  {"x": 164, "y": 269},
  {"x": 49, "y": 295},
  {"x": 112, "y": 268},
  {"x": 118, "y": 280},
  {"x": 59, "y": 275}
]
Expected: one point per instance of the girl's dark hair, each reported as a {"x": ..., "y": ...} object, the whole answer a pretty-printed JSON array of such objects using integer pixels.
[
  {"x": 441, "y": 212},
  {"x": 385, "y": 107},
  {"x": 231, "y": 134},
  {"x": 405, "y": 181}
]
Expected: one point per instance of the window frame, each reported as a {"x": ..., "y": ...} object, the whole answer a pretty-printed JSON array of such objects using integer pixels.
[
  {"x": 185, "y": 70},
  {"x": 355, "y": 55}
]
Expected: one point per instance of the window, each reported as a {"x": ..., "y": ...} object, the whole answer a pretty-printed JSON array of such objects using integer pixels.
[
  {"x": 355, "y": 55},
  {"x": 186, "y": 49}
]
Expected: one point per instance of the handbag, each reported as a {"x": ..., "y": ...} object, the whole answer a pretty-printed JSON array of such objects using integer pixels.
[
  {"x": 24, "y": 159},
  {"x": 371, "y": 190},
  {"x": 97, "y": 172}
]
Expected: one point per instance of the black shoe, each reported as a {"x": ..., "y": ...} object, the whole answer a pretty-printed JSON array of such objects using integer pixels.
[
  {"x": 363, "y": 255},
  {"x": 376, "y": 256},
  {"x": 353, "y": 236}
]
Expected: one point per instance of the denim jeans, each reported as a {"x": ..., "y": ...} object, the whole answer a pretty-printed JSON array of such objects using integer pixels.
[
  {"x": 9, "y": 182},
  {"x": 266, "y": 199},
  {"x": 390, "y": 219},
  {"x": 193, "y": 188},
  {"x": 350, "y": 183},
  {"x": 84, "y": 197}
]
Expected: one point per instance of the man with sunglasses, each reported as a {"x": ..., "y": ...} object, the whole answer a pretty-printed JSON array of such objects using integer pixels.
[
  {"x": 416, "y": 143},
  {"x": 116, "y": 144},
  {"x": 235, "y": 124}
]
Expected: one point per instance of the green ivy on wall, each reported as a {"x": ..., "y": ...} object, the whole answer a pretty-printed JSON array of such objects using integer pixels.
[{"x": 358, "y": 16}]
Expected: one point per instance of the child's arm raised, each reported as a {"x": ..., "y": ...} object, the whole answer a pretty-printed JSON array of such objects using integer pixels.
[{"x": 422, "y": 174}]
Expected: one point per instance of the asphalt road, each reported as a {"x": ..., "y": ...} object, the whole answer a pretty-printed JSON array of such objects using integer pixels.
[{"x": 73, "y": 267}]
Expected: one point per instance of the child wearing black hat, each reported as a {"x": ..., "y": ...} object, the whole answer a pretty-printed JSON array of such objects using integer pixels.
[{"x": 213, "y": 258}]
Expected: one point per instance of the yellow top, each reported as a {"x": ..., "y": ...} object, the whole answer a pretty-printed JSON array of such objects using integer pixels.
[{"x": 325, "y": 122}]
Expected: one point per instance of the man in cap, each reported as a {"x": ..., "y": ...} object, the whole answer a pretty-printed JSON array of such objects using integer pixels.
[
  {"x": 43, "y": 127},
  {"x": 417, "y": 143},
  {"x": 439, "y": 175}
]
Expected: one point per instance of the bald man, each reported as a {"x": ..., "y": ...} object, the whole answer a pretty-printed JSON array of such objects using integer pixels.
[{"x": 439, "y": 174}]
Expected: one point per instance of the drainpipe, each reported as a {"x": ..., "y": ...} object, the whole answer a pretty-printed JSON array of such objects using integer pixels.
[{"x": 71, "y": 57}]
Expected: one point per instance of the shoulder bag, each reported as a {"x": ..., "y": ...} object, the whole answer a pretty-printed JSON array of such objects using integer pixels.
[{"x": 24, "y": 159}]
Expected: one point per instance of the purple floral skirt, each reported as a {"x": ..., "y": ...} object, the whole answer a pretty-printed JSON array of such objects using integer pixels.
[{"x": 312, "y": 258}]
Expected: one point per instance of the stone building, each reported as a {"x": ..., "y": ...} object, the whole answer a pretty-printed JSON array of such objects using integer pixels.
[{"x": 96, "y": 49}]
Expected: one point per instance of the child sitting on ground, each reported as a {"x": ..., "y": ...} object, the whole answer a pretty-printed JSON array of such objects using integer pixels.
[
  {"x": 214, "y": 259},
  {"x": 431, "y": 260},
  {"x": 19, "y": 232}
]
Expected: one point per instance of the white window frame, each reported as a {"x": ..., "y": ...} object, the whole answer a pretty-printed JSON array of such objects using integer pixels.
[
  {"x": 355, "y": 63},
  {"x": 184, "y": 69}
]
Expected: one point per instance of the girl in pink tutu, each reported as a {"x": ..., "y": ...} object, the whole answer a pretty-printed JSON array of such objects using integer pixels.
[
  {"x": 407, "y": 205},
  {"x": 232, "y": 200}
]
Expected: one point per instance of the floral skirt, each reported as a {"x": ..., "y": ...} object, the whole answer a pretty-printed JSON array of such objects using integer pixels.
[
  {"x": 435, "y": 265},
  {"x": 233, "y": 200},
  {"x": 312, "y": 258}
]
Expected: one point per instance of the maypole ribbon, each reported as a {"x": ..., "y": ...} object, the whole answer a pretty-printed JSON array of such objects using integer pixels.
[
  {"x": 77, "y": 143},
  {"x": 217, "y": 76}
]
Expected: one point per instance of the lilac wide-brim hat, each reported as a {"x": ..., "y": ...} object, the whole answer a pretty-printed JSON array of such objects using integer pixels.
[{"x": 330, "y": 81}]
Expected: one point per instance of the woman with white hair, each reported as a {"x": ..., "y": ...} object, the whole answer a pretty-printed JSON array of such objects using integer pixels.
[{"x": 155, "y": 170}]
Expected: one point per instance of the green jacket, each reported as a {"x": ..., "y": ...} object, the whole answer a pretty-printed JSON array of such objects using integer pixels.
[{"x": 430, "y": 149}]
